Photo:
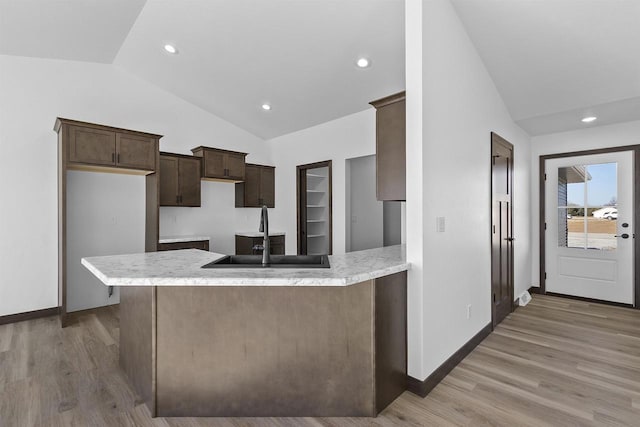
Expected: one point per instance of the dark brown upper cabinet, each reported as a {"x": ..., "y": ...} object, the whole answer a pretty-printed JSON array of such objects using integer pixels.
[
  {"x": 179, "y": 180},
  {"x": 97, "y": 145},
  {"x": 391, "y": 147},
  {"x": 221, "y": 164},
  {"x": 258, "y": 188}
]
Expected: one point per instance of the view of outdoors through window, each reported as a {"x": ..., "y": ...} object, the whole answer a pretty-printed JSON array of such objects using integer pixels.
[{"x": 587, "y": 206}]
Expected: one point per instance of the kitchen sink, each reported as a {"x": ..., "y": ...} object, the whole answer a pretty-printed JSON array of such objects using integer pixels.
[{"x": 277, "y": 261}]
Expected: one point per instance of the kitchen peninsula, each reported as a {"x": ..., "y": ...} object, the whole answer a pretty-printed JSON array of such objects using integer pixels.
[{"x": 265, "y": 341}]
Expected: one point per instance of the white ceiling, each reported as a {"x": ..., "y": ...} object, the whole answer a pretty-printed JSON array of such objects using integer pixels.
[
  {"x": 297, "y": 55},
  {"x": 80, "y": 30},
  {"x": 553, "y": 61}
]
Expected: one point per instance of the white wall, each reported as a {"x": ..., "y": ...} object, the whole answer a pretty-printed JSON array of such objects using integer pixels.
[
  {"x": 33, "y": 92},
  {"x": 105, "y": 216},
  {"x": 452, "y": 106},
  {"x": 565, "y": 142},
  {"x": 364, "y": 211},
  {"x": 337, "y": 140}
]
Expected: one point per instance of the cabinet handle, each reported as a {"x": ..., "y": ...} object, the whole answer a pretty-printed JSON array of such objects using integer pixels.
[
  {"x": 177, "y": 199},
  {"x": 180, "y": 199},
  {"x": 118, "y": 158},
  {"x": 113, "y": 157}
]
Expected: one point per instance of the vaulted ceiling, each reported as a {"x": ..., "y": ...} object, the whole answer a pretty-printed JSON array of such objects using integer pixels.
[
  {"x": 553, "y": 61},
  {"x": 557, "y": 61}
]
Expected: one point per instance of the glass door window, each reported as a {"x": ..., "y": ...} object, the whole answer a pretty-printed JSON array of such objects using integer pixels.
[{"x": 587, "y": 206}]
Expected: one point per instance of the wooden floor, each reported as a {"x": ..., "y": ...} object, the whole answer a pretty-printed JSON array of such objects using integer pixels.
[{"x": 555, "y": 362}]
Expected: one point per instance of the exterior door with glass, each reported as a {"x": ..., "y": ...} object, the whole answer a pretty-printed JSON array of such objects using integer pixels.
[{"x": 589, "y": 229}]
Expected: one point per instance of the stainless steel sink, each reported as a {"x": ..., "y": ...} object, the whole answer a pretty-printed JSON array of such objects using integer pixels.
[{"x": 277, "y": 261}]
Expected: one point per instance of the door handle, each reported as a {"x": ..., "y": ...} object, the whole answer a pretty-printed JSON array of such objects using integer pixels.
[
  {"x": 624, "y": 236},
  {"x": 509, "y": 239}
]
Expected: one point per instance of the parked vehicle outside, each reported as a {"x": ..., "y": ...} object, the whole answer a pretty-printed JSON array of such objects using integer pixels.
[{"x": 606, "y": 213}]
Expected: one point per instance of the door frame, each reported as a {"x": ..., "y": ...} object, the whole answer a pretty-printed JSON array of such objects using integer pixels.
[
  {"x": 301, "y": 202},
  {"x": 498, "y": 140},
  {"x": 636, "y": 217}
]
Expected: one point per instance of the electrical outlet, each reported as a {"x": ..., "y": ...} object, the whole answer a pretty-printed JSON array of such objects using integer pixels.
[
  {"x": 354, "y": 219},
  {"x": 468, "y": 311},
  {"x": 440, "y": 224}
]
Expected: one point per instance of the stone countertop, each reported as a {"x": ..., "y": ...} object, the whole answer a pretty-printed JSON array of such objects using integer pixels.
[
  {"x": 180, "y": 239},
  {"x": 183, "y": 268},
  {"x": 259, "y": 234}
]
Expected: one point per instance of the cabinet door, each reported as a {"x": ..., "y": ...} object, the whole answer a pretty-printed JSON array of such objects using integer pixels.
[
  {"x": 244, "y": 245},
  {"x": 277, "y": 245},
  {"x": 390, "y": 152},
  {"x": 252, "y": 186},
  {"x": 235, "y": 166},
  {"x": 92, "y": 146},
  {"x": 136, "y": 152},
  {"x": 214, "y": 164},
  {"x": 189, "y": 179},
  {"x": 267, "y": 187},
  {"x": 169, "y": 189}
]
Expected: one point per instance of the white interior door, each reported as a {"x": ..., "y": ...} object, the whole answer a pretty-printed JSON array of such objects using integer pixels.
[{"x": 589, "y": 229}]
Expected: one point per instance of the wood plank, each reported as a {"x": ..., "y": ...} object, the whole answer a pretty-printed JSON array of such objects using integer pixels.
[{"x": 554, "y": 362}]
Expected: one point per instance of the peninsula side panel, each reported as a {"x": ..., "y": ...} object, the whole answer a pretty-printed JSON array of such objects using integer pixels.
[
  {"x": 265, "y": 351},
  {"x": 137, "y": 340}
]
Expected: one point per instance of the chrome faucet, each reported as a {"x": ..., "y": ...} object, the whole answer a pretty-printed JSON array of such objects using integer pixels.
[{"x": 264, "y": 228}]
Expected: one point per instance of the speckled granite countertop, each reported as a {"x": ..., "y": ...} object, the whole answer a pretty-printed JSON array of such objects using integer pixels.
[
  {"x": 180, "y": 239},
  {"x": 183, "y": 268}
]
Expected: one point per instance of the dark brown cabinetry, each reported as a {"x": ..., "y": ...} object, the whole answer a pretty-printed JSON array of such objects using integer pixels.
[
  {"x": 258, "y": 188},
  {"x": 390, "y": 147},
  {"x": 93, "y": 147},
  {"x": 103, "y": 146},
  {"x": 193, "y": 244},
  {"x": 245, "y": 245},
  {"x": 221, "y": 164},
  {"x": 179, "y": 180}
]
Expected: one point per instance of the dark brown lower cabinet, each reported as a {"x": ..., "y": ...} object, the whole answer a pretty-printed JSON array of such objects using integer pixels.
[
  {"x": 195, "y": 244},
  {"x": 231, "y": 351},
  {"x": 245, "y": 245}
]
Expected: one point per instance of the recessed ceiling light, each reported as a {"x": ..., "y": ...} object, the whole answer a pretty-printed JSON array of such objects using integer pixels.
[
  {"x": 266, "y": 107},
  {"x": 170, "y": 48},
  {"x": 363, "y": 62},
  {"x": 589, "y": 119}
]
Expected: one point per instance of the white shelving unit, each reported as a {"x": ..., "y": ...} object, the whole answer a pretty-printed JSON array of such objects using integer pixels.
[{"x": 317, "y": 211}]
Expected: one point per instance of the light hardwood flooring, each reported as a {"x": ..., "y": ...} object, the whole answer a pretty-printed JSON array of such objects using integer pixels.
[{"x": 555, "y": 362}]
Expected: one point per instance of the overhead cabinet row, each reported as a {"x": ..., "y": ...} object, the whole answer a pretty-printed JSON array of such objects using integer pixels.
[
  {"x": 109, "y": 147},
  {"x": 180, "y": 177},
  {"x": 221, "y": 164},
  {"x": 391, "y": 147},
  {"x": 179, "y": 180},
  {"x": 90, "y": 146}
]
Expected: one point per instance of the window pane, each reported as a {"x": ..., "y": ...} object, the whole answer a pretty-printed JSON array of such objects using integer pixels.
[
  {"x": 596, "y": 229},
  {"x": 602, "y": 185},
  {"x": 571, "y": 186},
  {"x": 571, "y": 228}
]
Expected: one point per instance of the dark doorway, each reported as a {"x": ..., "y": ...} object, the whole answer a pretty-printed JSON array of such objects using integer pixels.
[
  {"x": 314, "y": 208},
  {"x": 501, "y": 228}
]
